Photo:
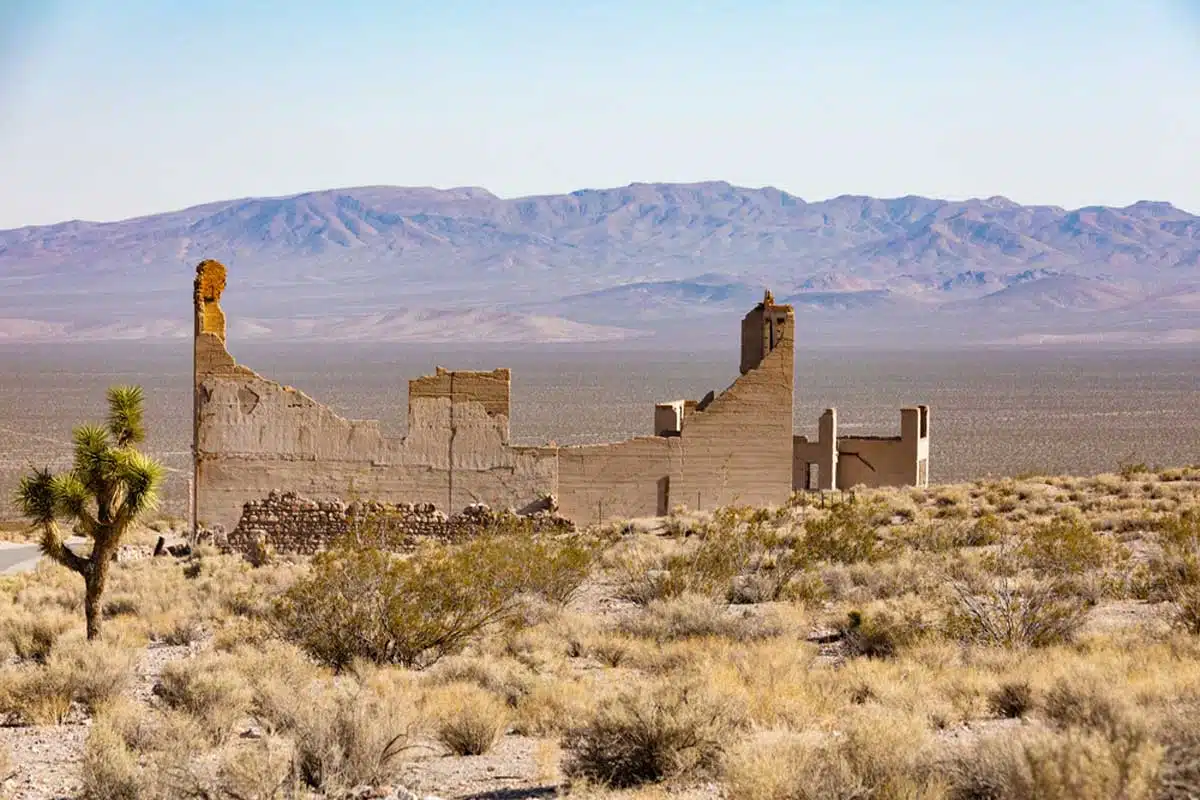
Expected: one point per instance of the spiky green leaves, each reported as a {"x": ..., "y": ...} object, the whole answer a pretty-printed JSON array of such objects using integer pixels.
[
  {"x": 125, "y": 415},
  {"x": 140, "y": 476},
  {"x": 109, "y": 483},
  {"x": 35, "y": 497}
]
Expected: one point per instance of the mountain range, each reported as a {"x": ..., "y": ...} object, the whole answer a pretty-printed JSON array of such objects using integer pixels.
[{"x": 664, "y": 261}]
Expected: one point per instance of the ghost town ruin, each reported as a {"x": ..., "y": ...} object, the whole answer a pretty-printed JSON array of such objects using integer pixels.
[{"x": 254, "y": 439}]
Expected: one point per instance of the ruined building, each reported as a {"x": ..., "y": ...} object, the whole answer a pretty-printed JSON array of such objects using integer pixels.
[{"x": 253, "y": 436}]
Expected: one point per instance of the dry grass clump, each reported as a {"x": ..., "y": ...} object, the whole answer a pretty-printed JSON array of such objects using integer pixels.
[
  {"x": 1057, "y": 765},
  {"x": 697, "y": 616},
  {"x": 873, "y": 754},
  {"x": 211, "y": 688},
  {"x": 32, "y": 636},
  {"x": 92, "y": 676},
  {"x": 349, "y": 736},
  {"x": 110, "y": 768},
  {"x": 881, "y": 632},
  {"x": 650, "y": 734},
  {"x": 1011, "y": 699},
  {"x": 466, "y": 718}
]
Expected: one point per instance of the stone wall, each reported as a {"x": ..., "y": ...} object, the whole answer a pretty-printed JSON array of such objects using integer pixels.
[{"x": 290, "y": 523}]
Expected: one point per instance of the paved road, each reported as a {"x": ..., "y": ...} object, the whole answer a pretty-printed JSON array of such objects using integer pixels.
[{"x": 17, "y": 558}]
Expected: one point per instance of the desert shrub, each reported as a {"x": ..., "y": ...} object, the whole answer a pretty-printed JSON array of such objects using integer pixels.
[
  {"x": 1182, "y": 531},
  {"x": 1054, "y": 765},
  {"x": 879, "y": 634},
  {"x": 36, "y": 695},
  {"x": 1064, "y": 547},
  {"x": 261, "y": 772},
  {"x": 347, "y": 736},
  {"x": 467, "y": 719},
  {"x": 844, "y": 535},
  {"x": 875, "y": 755},
  {"x": 741, "y": 555},
  {"x": 648, "y": 735},
  {"x": 552, "y": 706},
  {"x": 122, "y": 606},
  {"x": 259, "y": 552},
  {"x": 182, "y": 630},
  {"x": 555, "y": 569},
  {"x": 1011, "y": 699},
  {"x": 1011, "y": 615},
  {"x": 611, "y": 650},
  {"x": 373, "y": 605},
  {"x": 1179, "y": 771},
  {"x": 109, "y": 770},
  {"x": 96, "y": 673},
  {"x": 988, "y": 529},
  {"x": 210, "y": 689},
  {"x": 1086, "y": 703},
  {"x": 506, "y": 678},
  {"x": 1187, "y": 608},
  {"x": 33, "y": 636},
  {"x": 694, "y": 616}
]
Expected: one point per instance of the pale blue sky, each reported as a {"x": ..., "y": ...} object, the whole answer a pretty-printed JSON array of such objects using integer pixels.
[{"x": 115, "y": 108}]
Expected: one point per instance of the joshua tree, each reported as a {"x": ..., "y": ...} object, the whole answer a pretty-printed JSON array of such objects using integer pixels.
[{"x": 108, "y": 488}]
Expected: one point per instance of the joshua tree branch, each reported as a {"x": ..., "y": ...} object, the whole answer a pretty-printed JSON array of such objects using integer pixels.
[{"x": 53, "y": 546}]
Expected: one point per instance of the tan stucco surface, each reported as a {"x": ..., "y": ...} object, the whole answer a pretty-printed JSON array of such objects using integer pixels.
[{"x": 254, "y": 435}]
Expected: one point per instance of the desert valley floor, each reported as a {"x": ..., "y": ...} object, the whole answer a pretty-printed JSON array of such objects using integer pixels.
[{"x": 995, "y": 412}]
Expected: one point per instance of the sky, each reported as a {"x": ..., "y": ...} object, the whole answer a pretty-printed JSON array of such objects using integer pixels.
[{"x": 117, "y": 108}]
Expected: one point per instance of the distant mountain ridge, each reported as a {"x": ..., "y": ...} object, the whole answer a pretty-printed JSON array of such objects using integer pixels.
[{"x": 382, "y": 262}]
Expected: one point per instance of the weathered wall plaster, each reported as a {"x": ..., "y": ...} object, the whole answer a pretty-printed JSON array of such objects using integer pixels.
[{"x": 253, "y": 436}]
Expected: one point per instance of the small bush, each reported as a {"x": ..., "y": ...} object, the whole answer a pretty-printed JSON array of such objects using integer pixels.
[
  {"x": 1053, "y": 765},
  {"x": 876, "y": 754},
  {"x": 36, "y": 695},
  {"x": 1064, "y": 547},
  {"x": 33, "y": 636},
  {"x": 556, "y": 569},
  {"x": 648, "y": 736},
  {"x": 209, "y": 689},
  {"x": 347, "y": 737},
  {"x": 109, "y": 771},
  {"x": 696, "y": 616},
  {"x": 845, "y": 535},
  {"x": 1037, "y": 615},
  {"x": 127, "y": 606},
  {"x": 373, "y": 605},
  {"x": 1011, "y": 700},
  {"x": 1086, "y": 704},
  {"x": 1179, "y": 772},
  {"x": 880, "y": 634},
  {"x": 182, "y": 630},
  {"x": 96, "y": 673},
  {"x": 467, "y": 719},
  {"x": 1187, "y": 609}
]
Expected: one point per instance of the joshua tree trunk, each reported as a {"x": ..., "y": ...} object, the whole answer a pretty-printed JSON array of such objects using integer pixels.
[{"x": 94, "y": 580}]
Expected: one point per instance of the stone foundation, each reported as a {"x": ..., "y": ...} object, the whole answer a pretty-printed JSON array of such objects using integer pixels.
[{"x": 291, "y": 523}]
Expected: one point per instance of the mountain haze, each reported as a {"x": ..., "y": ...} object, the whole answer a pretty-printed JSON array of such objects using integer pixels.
[{"x": 424, "y": 264}]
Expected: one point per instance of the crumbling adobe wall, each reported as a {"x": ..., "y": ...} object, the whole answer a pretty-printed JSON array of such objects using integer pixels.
[
  {"x": 290, "y": 523},
  {"x": 875, "y": 461},
  {"x": 253, "y": 436},
  {"x": 737, "y": 450}
]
